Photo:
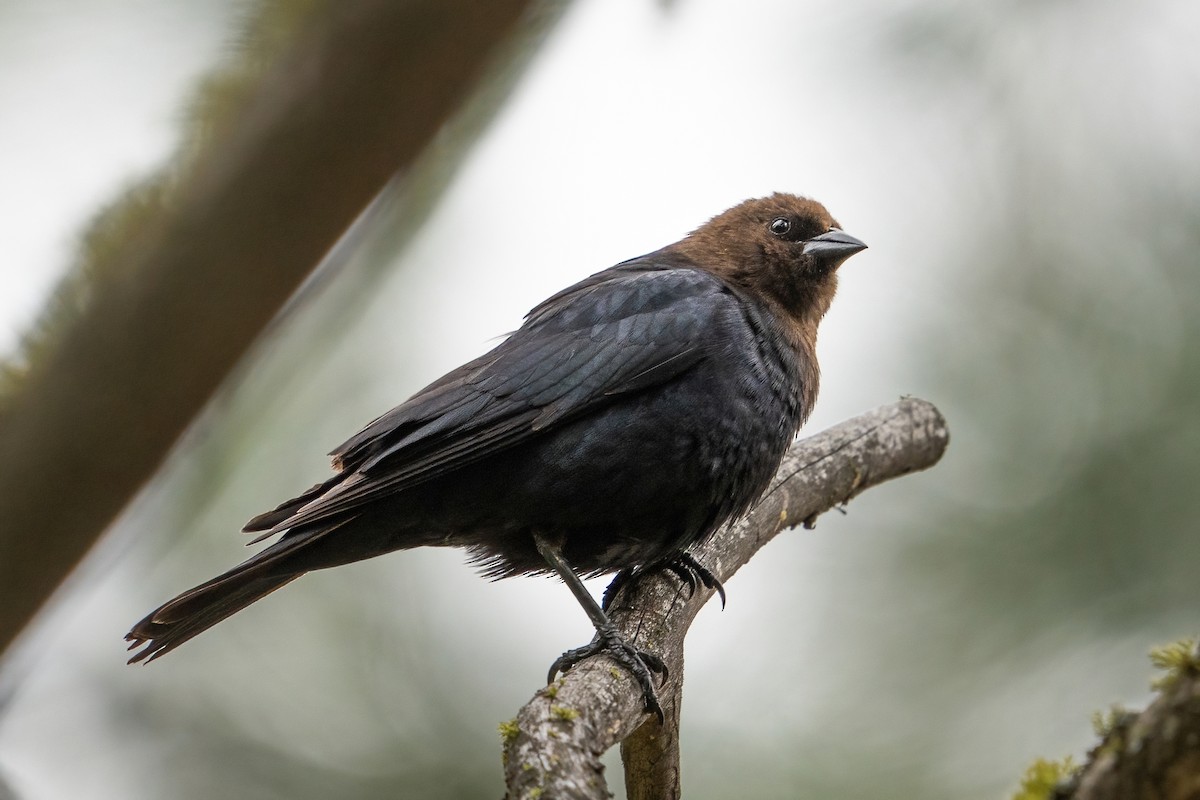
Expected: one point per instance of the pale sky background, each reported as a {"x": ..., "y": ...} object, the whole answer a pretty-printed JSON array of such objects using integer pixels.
[{"x": 110, "y": 112}]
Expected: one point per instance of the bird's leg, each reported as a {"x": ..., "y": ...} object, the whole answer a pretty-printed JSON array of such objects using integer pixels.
[{"x": 641, "y": 664}]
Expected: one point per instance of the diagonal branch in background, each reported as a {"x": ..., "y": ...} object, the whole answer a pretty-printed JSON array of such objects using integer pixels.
[
  {"x": 553, "y": 747},
  {"x": 366, "y": 86}
]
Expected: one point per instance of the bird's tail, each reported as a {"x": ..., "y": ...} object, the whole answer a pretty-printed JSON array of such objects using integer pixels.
[
  {"x": 198, "y": 609},
  {"x": 300, "y": 550}
]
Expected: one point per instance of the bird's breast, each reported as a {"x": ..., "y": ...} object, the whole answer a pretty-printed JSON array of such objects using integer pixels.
[{"x": 647, "y": 475}]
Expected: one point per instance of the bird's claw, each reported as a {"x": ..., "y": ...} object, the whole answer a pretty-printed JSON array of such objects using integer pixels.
[
  {"x": 641, "y": 664},
  {"x": 683, "y": 566},
  {"x": 694, "y": 574}
]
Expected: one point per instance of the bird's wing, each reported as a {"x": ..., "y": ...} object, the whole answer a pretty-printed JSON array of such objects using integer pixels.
[{"x": 622, "y": 330}]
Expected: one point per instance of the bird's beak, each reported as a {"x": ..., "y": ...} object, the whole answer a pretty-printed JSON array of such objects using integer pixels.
[{"x": 833, "y": 247}]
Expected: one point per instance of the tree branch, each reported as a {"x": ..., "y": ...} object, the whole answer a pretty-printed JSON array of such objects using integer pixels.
[
  {"x": 1154, "y": 755},
  {"x": 553, "y": 747}
]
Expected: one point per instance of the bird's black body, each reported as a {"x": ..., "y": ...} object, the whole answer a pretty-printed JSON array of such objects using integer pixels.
[
  {"x": 590, "y": 379},
  {"x": 629, "y": 417}
]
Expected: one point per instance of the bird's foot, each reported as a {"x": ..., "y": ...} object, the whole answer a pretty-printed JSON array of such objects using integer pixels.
[
  {"x": 641, "y": 664},
  {"x": 694, "y": 574},
  {"x": 684, "y": 566}
]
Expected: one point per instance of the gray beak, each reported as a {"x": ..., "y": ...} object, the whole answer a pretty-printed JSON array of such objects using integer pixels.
[{"x": 833, "y": 247}]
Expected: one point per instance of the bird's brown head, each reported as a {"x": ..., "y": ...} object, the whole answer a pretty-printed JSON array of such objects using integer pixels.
[{"x": 783, "y": 249}]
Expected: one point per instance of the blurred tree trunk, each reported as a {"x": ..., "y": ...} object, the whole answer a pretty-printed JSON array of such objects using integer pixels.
[{"x": 361, "y": 91}]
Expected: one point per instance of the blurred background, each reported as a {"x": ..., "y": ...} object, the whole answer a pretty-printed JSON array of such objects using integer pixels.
[{"x": 1028, "y": 180}]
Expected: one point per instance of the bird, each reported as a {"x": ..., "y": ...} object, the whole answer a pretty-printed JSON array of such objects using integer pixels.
[{"x": 629, "y": 417}]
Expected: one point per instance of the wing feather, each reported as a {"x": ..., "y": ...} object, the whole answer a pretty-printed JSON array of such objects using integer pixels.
[{"x": 623, "y": 330}]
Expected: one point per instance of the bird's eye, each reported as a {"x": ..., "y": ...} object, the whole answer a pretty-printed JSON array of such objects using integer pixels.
[{"x": 780, "y": 226}]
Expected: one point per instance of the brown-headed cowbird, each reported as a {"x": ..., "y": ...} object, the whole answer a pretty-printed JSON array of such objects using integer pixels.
[{"x": 629, "y": 417}]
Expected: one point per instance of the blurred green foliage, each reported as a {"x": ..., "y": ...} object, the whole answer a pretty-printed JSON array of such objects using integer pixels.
[{"x": 1042, "y": 777}]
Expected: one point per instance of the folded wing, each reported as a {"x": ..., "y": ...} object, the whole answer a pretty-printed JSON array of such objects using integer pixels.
[{"x": 624, "y": 330}]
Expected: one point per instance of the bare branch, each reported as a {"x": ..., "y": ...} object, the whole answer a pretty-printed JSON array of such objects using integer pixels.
[{"x": 555, "y": 747}]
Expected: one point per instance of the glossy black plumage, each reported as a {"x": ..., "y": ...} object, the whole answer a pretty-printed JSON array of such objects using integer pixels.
[{"x": 630, "y": 416}]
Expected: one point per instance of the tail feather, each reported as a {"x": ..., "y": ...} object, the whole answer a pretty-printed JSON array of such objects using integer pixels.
[
  {"x": 198, "y": 610},
  {"x": 203, "y": 606}
]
